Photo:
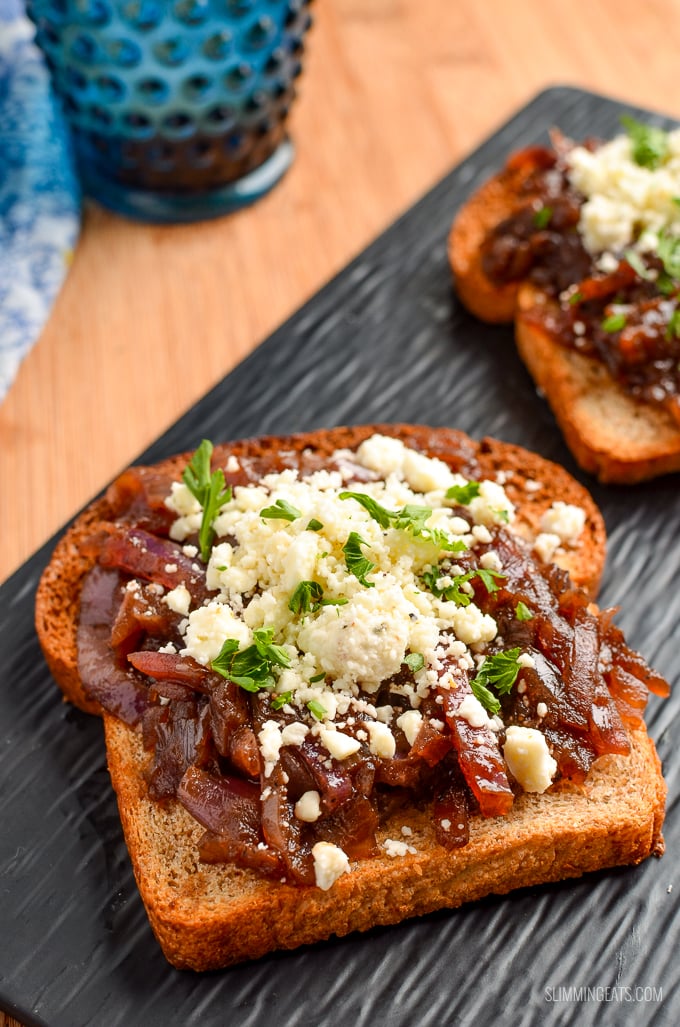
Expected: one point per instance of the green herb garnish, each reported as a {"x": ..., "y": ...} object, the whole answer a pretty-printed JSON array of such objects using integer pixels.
[
  {"x": 316, "y": 709},
  {"x": 314, "y": 525},
  {"x": 613, "y": 323},
  {"x": 650, "y": 143},
  {"x": 638, "y": 265},
  {"x": 498, "y": 671},
  {"x": 355, "y": 561},
  {"x": 209, "y": 490},
  {"x": 542, "y": 217},
  {"x": 673, "y": 328},
  {"x": 251, "y": 668},
  {"x": 410, "y": 518},
  {"x": 281, "y": 510},
  {"x": 308, "y": 597},
  {"x": 414, "y": 661},
  {"x": 279, "y": 701},
  {"x": 317, "y": 677},
  {"x": 463, "y": 494},
  {"x": 453, "y": 592},
  {"x": 489, "y": 578},
  {"x": 575, "y": 298},
  {"x": 522, "y": 611},
  {"x": 668, "y": 250}
]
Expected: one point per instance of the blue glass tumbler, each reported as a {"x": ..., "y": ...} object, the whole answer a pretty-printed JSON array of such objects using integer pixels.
[{"x": 177, "y": 108}]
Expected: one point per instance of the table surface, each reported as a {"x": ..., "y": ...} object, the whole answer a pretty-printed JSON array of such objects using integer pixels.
[{"x": 393, "y": 95}]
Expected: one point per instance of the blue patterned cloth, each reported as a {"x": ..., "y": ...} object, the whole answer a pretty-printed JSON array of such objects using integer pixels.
[{"x": 39, "y": 195}]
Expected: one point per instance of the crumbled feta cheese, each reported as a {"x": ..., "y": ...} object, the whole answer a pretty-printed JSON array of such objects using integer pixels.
[
  {"x": 294, "y": 734},
  {"x": 179, "y": 600},
  {"x": 564, "y": 520},
  {"x": 308, "y": 807},
  {"x": 626, "y": 204},
  {"x": 490, "y": 561},
  {"x": 339, "y": 745},
  {"x": 492, "y": 505},
  {"x": 208, "y": 627},
  {"x": 528, "y": 758},
  {"x": 270, "y": 740},
  {"x": 330, "y": 863},
  {"x": 395, "y": 847},
  {"x": 382, "y": 741},
  {"x": 526, "y": 660},
  {"x": 546, "y": 545},
  {"x": 473, "y": 712},
  {"x": 410, "y": 723},
  {"x": 541, "y": 710},
  {"x": 472, "y": 626}
]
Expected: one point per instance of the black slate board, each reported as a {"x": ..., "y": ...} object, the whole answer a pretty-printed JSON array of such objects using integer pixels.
[{"x": 385, "y": 341}]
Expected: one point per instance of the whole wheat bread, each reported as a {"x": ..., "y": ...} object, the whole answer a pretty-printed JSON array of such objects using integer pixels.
[
  {"x": 207, "y": 916},
  {"x": 612, "y": 435}
]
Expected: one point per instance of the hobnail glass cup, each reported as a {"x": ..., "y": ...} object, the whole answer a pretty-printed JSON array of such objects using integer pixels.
[{"x": 177, "y": 108}]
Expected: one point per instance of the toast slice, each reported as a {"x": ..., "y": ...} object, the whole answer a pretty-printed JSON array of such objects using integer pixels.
[
  {"x": 613, "y": 435},
  {"x": 211, "y": 915}
]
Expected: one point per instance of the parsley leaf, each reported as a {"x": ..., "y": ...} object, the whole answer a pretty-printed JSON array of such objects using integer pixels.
[
  {"x": 673, "y": 328},
  {"x": 668, "y": 250},
  {"x": 638, "y": 265},
  {"x": 355, "y": 561},
  {"x": 489, "y": 578},
  {"x": 613, "y": 323},
  {"x": 251, "y": 668},
  {"x": 316, "y": 709},
  {"x": 209, "y": 490},
  {"x": 308, "y": 598},
  {"x": 499, "y": 671},
  {"x": 317, "y": 677},
  {"x": 314, "y": 525},
  {"x": 522, "y": 611},
  {"x": 542, "y": 217},
  {"x": 463, "y": 494},
  {"x": 279, "y": 701},
  {"x": 650, "y": 143},
  {"x": 414, "y": 661},
  {"x": 281, "y": 510},
  {"x": 453, "y": 591},
  {"x": 410, "y": 518}
]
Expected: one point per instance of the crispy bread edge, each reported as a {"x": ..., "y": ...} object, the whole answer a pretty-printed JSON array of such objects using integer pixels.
[
  {"x": 211, "y": 916},
  {"x": 612, "y": 435}
]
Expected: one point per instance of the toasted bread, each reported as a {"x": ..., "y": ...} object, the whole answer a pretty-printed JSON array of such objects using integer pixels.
[
  {"x": 208, "y": 916},
  {"x": 613, "y": 435}
]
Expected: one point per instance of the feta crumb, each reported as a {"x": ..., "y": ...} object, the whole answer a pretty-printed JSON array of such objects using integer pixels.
[
  {"x": 491, "y": 561},
  {"x": 564, "y": 520},
  {"x": 179, "y": 600},
  {"x": 406, "y": 831},
  {"x": 294, "y": 734},
  {"x": 446, "y": 824},
  {"x": 382, "y": 741},
  {"x": 541, "y": 710},
  {"x": 528, "y": 759},
  {"x": 546, "y": 545},
  {"x": 270, "y": 740},
  {"x": 339, "y": 745},
  {"x": 526, "y": 660},
  {"x": 394, "y": 847},
  {"x": 330, "y": 863},
  {"x": 308, "y": 807},
  {"x": 473, "y": 712},
  {"x": 410, "y": 723}
]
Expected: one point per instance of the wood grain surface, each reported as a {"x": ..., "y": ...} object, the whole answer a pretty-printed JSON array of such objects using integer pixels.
[{"x": 394, "y": 93}]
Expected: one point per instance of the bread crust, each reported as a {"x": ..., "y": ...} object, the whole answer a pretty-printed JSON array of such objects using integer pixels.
[
  {"x": 612, "y": 435},
  {"x": 209, "y": 916}
]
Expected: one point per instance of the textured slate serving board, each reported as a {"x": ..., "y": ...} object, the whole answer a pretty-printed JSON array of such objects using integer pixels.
[{"x": 385, "y": 341}]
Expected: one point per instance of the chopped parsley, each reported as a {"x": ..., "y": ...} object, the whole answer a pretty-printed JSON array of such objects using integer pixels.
[
  {"x": 414, "y": 661},
  {"x": 316, "y": 709},
  {"x": 317, "y": 677},
  {"x": 281, "y": 700},
  {"x": 251, "y": 668},
  {"x": 649, "y": 142},
  {"x": 209, "y": 490},
  {"x": 613, "y": 323},
  {"x": 542, "y": 217},
  {"x": 355, "y": 561},
  {"x": 498, "y": 671},
  {"x": 522, "y": 611},
  {"x": 308, "y": 598},
  {"x": 638, "y": 265},
  {"x": 673, "y": 328},
  {"x": 668, "y": 250},
  {"x": 453, "y": 591},
  {"x": 314, "y": 525},
  {"x": 463, "y": 494},
  {"x": 410, "y": 518},
  {"x": 281, "y": 510}
]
